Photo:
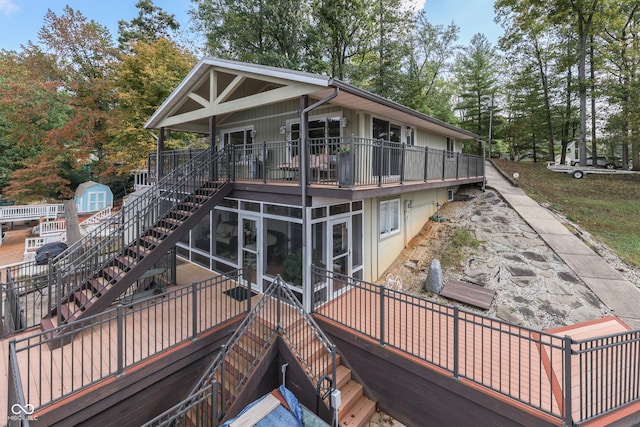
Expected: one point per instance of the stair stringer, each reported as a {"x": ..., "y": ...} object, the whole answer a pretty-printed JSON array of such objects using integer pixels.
[{"x": 105, "y": 300}]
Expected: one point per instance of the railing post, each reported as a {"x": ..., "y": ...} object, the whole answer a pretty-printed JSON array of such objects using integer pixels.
[
  {"x": 49, "y": 283},
  {"x": 456, "y": 343},
  {"x": 214, "y": 403},
  {"x": 223, "y": 405},
  {"x": 402, "y": 162},
  {"x": 278, "y": 291},
  {"x": 426, "y": 164},
  {"x": 382, "y": 315},
  {"x": 568, "y": 416},
  {"x": 457, "y": 165},
  {"x": 444, "y": 162},
  {"x": 264, "y": 161},
  {"x": 59, "y": 293},
  {"x": 194, "y": 310},
  {"x": 120, "y": 328},
  {"x": 248, "y": 283}
]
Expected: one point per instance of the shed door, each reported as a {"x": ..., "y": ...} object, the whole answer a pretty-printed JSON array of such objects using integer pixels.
[{"x": 97, "y": 201}]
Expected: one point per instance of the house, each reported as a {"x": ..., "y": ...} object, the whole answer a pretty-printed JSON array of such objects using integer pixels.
[
  {"x": 373, "y": 172},
  {"x": 93, "y": 197},
  {"x": 309, "y": 189}
]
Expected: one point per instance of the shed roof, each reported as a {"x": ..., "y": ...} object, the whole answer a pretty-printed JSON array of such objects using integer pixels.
[
  {"x": 218, "y": 87},
  {"x": 82, "y": 188}
]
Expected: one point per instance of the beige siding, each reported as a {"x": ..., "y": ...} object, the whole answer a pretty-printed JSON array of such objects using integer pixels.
[
  {"x": 380, "y": 252},
  {"x": 267, "y": 120}
]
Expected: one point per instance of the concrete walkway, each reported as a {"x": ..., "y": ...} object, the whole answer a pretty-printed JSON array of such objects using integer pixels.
[{"x": 620, "y": 295}]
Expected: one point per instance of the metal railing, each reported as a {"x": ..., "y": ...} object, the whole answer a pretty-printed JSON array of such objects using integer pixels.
[
  {"x": 340, "y": 162},
  {"x": 574, "y": 380},
  {"x": 171, "y": 159},
  {"x": 74, "y": 267},
  {"x": 23, "y": 291},
  {"x": 107, "y": 344},
  {"x": 277, "y": 311}
]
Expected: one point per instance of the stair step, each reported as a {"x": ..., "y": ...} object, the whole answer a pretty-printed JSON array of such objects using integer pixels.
[
  {"x": 343, "y": 376},
  {"x": 112, "y": 272},
  {"x": 100, "y": 285},
  {"x": 351, "y": 392},
  {"x": 83, "y": 298},
  {"x": 360, "y": 413},
  {"x": 153, "y": 241},
  {"x": 48, "y": 324},
  {"x": 126, "y": 261},
  {"x": 68, "y": 311},
  {"x": 160, "y": 230},
  {"x": 171, "y": 220},
  {"x": 137, "y": 251}
]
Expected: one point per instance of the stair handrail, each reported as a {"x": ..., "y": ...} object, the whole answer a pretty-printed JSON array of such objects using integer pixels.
[
  {"x": 93, "y": 252},
  {"x": 202, "y": 388}
]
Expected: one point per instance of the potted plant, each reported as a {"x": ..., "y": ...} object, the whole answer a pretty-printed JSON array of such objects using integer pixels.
[{"x": 345, "y": 166}]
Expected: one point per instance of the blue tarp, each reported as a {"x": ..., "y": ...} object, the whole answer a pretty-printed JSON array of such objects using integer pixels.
[{"x": 280, "y": 416}]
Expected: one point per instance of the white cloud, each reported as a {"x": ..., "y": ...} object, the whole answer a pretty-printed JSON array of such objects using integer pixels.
[{"x": 7, "y": 7}]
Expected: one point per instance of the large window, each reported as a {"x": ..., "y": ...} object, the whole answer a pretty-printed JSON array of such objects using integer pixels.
[
  {"x": 388, "y": 152},
  {"x": 451, "y": 146},
  {"x": 323, "y": 132},
  {"x": 242, "y": 139},
  {"x": 389, "y": 217}
]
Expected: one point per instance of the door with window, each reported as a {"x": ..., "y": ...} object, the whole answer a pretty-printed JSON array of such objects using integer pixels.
[
  {"x": 341, "y": 253},
  {"x": 250, "y": 244}
]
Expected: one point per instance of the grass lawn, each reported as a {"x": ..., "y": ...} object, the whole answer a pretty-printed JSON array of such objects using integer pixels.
[{"x": 607, "y": 206}]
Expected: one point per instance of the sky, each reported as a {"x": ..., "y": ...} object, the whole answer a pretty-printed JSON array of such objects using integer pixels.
[{"x": 20, "y": 20}]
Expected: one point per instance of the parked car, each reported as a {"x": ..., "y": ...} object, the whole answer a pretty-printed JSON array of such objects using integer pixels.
[
  {"x": 49, "y": 250},
  {"x": 601, "y": 162}
]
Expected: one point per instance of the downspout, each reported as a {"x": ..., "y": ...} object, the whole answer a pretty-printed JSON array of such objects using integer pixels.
[{"x": 302, "y": 156}]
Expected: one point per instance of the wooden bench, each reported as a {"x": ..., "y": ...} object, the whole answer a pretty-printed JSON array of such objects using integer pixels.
[{"x": 468, "y": 293}]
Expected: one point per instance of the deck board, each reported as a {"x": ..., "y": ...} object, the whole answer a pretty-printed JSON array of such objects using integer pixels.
[{"x": 468, "y": 293}]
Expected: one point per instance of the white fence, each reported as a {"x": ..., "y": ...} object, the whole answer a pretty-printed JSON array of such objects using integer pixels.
[{"x": 30, "y": 212}]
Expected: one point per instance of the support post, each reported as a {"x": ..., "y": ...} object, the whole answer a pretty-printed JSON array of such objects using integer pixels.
[
  {"x": 382, "y": 315},
  {"x": 568, "y": 417},
  {"x": 120, "y": 328},
  {"x": 456, "y": 343},
  {"x": 159, "y": 162}
]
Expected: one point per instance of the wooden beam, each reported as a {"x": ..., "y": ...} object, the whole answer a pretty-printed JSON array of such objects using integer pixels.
[
  {"x": 200, "y": 100},
  {"x": 226, "y": 93},
  {"x": 252, "y": 101}
]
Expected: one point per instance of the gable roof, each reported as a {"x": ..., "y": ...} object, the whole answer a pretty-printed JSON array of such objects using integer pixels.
[
  {"x": 82, "y": 188},
  {"x": 217, "y": 87}
]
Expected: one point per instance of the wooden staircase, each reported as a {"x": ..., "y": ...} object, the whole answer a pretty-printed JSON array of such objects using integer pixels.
[
  {"x": 239, "y": 364},
  {"x": 356, "y": 409},
  {"x": 117, "y": 275}
]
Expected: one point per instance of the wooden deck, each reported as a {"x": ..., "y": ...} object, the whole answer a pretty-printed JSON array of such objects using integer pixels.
[
  {"x": 51, "y": 373},
  {"x": 501, "y": 357},
  {"x": 493, "y": 354}
]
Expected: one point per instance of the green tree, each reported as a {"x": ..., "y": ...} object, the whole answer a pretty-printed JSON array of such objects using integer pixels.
[
  {"x": 267, "y": 32},
  {"x": 476, "y": 76},
  {"x": 31, "y": 108},
  {"x": 425, "y": 87},
  {"x": 143, "y": 79},
  {"x": 151, "y": 24},
  {"x": 86, "y": 56}
]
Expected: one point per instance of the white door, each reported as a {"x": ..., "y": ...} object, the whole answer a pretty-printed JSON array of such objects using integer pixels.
[
  {"x": 340, "y": 253},
  {"x": 250, "y": 244}
]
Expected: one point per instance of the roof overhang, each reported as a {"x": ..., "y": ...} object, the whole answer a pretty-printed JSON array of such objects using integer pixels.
[{"x": 218, "y": 87}]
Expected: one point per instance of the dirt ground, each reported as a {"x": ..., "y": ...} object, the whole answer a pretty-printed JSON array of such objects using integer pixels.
[
  {"x": 425, "y": 246},
  {"x": 12, "y": 248}
]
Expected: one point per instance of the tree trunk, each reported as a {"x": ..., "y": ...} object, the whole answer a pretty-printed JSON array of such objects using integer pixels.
[
  {"x": 547, "y": 104},
  {"x": 71, "y": 220},
  {"x": 582, "y": 89},
  {"x": 592, "y": 69}
]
